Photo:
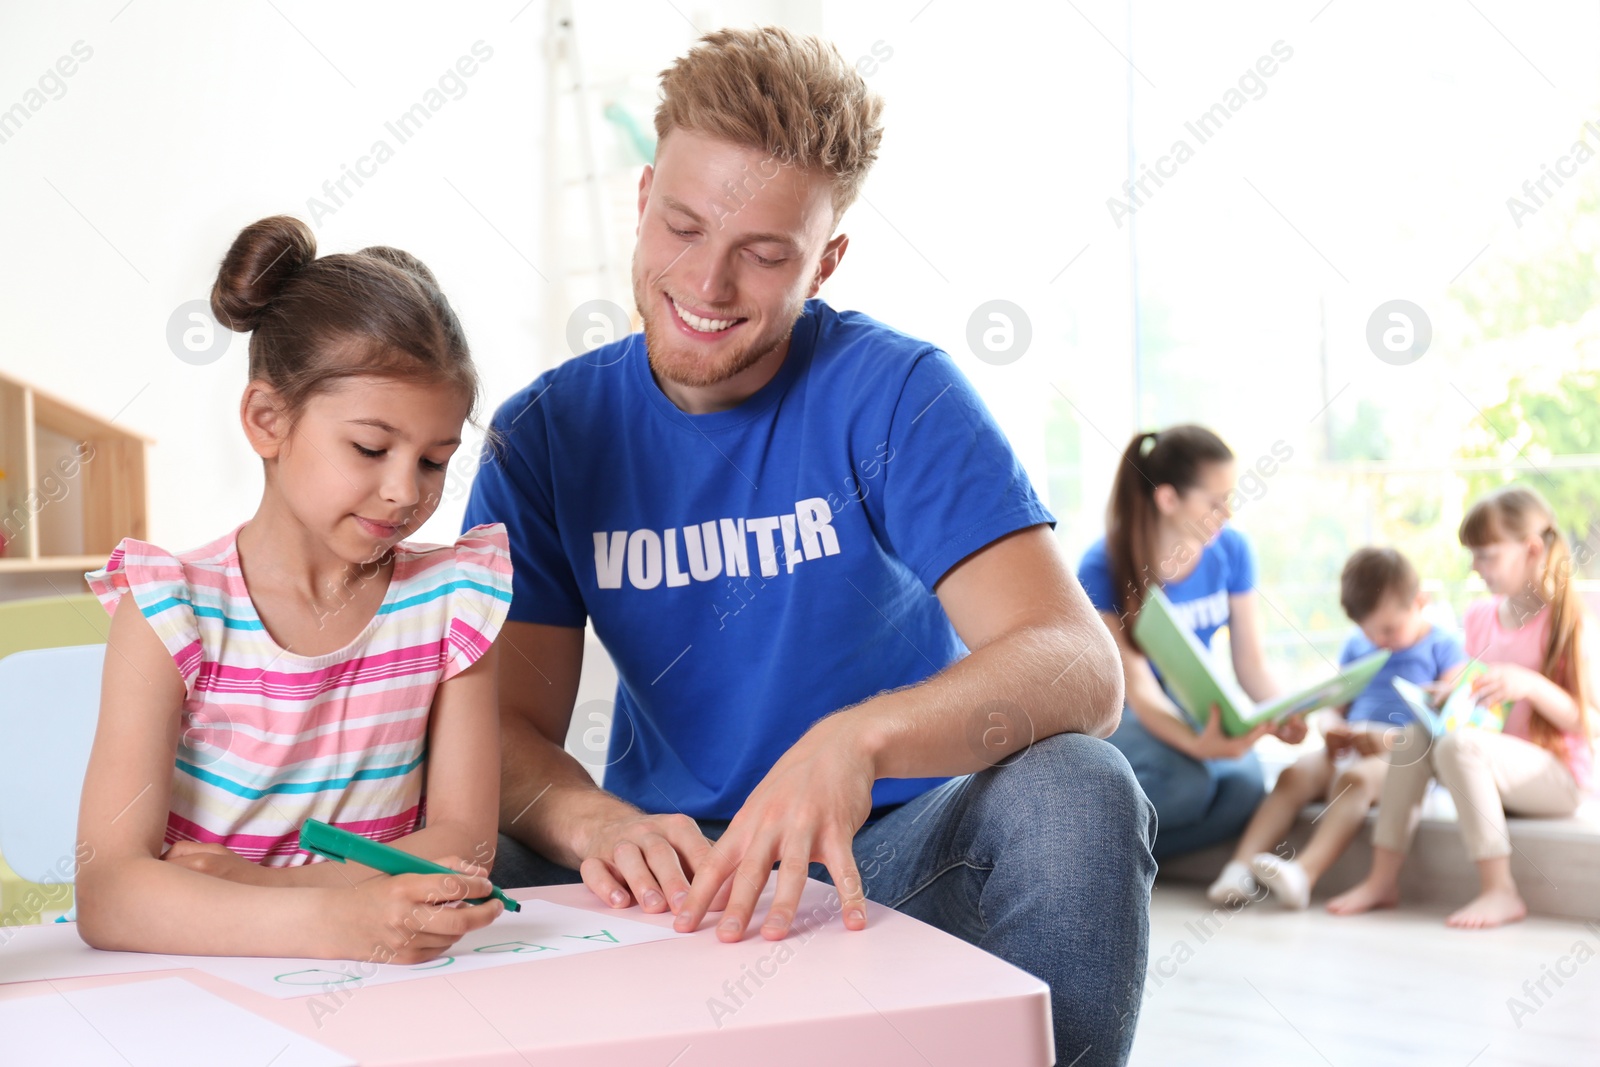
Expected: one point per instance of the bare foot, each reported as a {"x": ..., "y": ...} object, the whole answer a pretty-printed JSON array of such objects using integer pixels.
[
  {"x": 1365, "y": 896},
  {"x": 1493, "y": 907}
]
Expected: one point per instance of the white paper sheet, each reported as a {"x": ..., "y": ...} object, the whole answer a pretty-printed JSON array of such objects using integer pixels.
[
  {"x": 164, "y": 1022},
  {"x": 54, "y": 950},
  {"x": 541, "y": 930}
]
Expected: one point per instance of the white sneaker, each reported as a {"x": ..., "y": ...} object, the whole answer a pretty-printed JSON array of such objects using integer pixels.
[
  {"x": 1286, "y": 878},
  {"x": 1235, "y": 885}
]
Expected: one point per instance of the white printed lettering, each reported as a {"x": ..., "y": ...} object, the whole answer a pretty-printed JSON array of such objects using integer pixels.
[
  {"x": 735, "y": 548},
  {"x": 705, "y": 563},
  {"x": 766, "y": 550},
  {"x": 791, "y": 551},
  {"x": 675, "y": 577},
  {"x": 815, "y": 518},
  {"x": 644, "y": 559},
  {"x": 608, "y": 558}
]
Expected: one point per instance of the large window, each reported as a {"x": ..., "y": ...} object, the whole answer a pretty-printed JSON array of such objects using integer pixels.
[
  {"x": 1201, "y": 211},
  {"x": 1316, "y": 172}
]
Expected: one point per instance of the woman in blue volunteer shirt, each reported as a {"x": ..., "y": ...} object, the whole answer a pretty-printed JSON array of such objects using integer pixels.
[{"x": 1165, "y": 526}]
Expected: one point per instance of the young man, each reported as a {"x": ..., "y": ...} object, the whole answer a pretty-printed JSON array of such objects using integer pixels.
[{"x": 753, "y": 501}]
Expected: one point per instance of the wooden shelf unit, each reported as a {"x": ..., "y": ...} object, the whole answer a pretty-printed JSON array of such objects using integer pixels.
[{"x": 74, "y": 483}]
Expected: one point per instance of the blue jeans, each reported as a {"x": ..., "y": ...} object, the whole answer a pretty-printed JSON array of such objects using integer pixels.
[
  {"x": 1198, "y": 803},
  {"x": 1043, "y": 860}
]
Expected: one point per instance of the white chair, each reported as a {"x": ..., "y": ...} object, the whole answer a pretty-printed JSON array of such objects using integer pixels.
[{"x": 49, "y": 704}]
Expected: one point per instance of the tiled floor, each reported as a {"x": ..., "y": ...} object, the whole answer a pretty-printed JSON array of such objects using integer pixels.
[{"x": 1268, "y": 986}]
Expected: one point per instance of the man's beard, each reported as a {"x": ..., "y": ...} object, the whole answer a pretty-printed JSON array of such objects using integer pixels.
[{"x": 668, "y": 350}]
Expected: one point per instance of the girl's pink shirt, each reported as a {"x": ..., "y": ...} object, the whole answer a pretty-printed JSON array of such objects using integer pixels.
[{"x": 1490, "y": 642}]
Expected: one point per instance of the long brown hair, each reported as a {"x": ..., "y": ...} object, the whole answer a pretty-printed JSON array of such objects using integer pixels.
[
  {"x": 314, "y": 321},
  {"x": 1514, "y": 513},
  {"x": 1174, "y": 457}
]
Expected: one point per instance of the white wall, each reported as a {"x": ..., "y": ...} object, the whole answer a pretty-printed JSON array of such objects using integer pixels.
[{"x": 189, "y": 120}]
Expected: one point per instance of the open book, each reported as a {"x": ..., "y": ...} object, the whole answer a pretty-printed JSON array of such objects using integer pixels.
[
  {"x": 1458, "y": 710},
  {"x": 1194, "y": 681}
]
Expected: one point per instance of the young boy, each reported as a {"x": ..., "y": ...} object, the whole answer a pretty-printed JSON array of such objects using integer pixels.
[{"x": 1380, "y": 591}]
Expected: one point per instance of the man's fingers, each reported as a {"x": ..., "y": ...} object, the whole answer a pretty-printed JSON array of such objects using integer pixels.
[
  {"x": 665, "y": 864},
  {"x": 786, "y": 899},
  {"x": 708, "y": 883},
  {"x": 632, "y": 866},
  {"x": 749, "y": 880},
  {"x": 689, "y": 848},
  {"x": 720, "y": 903},
  {"x": 602, "y": 882},
  {"x": 847, "y": 883}
]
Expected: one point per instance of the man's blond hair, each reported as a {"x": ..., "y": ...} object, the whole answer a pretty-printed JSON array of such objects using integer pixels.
[{"x": 789, "y": 95}]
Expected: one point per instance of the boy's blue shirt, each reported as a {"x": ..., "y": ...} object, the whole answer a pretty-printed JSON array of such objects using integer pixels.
[{"x": 1422, "y": 663}]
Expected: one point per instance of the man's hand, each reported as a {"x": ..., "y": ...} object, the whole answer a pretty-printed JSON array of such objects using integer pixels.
[
  {"x": 648, "y": 858},
  {"x": 808, "y": 808}
]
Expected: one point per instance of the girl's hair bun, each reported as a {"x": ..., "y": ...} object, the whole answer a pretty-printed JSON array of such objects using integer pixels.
[
  {"x": 404, "y": 260},
  {"x": 264, "y": 256}
]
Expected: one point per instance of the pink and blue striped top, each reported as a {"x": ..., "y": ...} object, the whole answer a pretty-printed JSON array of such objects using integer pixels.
[{"x": 272, "y": 738}]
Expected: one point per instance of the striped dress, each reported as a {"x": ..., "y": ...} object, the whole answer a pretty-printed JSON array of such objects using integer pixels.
[{"x": 269, "y": 738}]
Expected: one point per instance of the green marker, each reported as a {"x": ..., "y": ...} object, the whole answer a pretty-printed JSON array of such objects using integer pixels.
[{"x": 320, "y": 839}]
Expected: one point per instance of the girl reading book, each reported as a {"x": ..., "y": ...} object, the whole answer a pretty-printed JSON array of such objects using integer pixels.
[{"x": 1530, "y": 633}]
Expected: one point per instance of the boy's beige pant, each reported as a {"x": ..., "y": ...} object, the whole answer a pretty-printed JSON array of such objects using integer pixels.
[{"x": 1488, "y": 775}]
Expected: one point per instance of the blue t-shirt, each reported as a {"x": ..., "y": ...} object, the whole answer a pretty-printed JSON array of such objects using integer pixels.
[
  {"x": 752, "y": 570},
  {"x": 1199, "y": 599},
  {"x": 1422, "y": 663}
]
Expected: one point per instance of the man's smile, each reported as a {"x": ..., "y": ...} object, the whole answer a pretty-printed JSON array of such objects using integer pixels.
[{"x": 700, "y": 325}]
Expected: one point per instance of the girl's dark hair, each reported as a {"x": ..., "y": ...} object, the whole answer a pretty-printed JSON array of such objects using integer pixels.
[
  {"x": 313, "y": 322},
  {"x": 1172, "y": 457},
  {"x": 1514, "y": 513}
]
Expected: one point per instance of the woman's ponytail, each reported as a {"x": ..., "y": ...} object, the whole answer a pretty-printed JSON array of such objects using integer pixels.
[{"x": 1172, "y": 457}]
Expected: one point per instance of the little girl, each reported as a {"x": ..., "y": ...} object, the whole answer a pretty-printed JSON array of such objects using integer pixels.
[
  {"x": 308, "y": 663},
  {"x": 1530, "y": 632}
]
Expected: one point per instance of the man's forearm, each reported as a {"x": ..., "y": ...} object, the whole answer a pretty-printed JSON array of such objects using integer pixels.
[
  {"x": 1023, "y": 687},
  {"x": 548, "y": 801}
]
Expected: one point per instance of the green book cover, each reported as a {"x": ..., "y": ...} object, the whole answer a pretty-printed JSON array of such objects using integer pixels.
[{"x": 1195, "y": 682}]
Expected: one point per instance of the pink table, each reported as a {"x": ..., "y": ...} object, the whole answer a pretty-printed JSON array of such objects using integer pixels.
[{"x": 899, "y": 992}]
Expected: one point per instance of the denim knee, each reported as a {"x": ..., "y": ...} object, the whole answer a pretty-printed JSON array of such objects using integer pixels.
[
  {"x": 1240, "y": 790},
  {"x": 516, "y": 865},
  {"x": 1069, "y": 784}
]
